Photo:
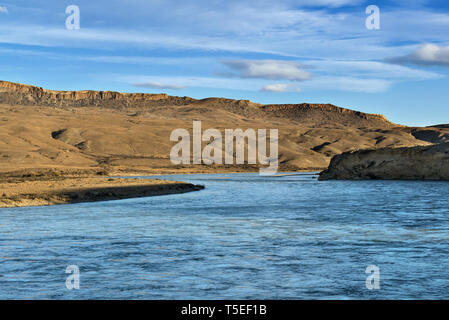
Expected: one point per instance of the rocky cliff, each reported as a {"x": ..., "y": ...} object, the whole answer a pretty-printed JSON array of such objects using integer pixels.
[
  {"x": 22, "y": 94},
  {"x": 307, "y": 114},
  {"x": 410, "y": 163}
]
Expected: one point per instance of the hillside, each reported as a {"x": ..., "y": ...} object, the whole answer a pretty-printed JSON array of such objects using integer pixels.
[
  {"x": 129, "y": 132},
  {"x": 313, "y": 114}
]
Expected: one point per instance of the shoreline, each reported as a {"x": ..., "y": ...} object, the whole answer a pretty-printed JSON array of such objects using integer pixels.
[
  {"x": 29, "y": 187},
  {"x": 51, "y": 191}
]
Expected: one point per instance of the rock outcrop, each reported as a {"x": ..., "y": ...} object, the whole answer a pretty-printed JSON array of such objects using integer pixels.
[
  {"x": 22, "y": 94},
  {"x": 315, "y": 115},
  {"x": 410, "y": 163}
]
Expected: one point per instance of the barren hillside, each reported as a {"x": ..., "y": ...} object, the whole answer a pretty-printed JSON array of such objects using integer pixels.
[{"x": 130, "y": 132}]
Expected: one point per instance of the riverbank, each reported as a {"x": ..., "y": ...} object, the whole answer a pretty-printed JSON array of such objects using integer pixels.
[
  {"x": 51, "y": 186},
  {"x": 51, "y": 190}
]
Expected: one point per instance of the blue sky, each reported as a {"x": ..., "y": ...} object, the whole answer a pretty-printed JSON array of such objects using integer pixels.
[{"x": 283, "y": 51}]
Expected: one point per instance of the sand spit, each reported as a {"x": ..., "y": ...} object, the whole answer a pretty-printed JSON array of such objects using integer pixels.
[{"x": 54, "y": 190}]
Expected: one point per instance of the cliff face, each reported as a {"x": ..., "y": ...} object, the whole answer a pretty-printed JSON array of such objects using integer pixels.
[
  {"x": 307, "y": 114},
  {"x": 413, "y": 163},
  {"x": 21, "y": 94}
]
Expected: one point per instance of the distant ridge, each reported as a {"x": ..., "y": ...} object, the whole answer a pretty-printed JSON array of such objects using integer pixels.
[
  {"x": 311, "y": 114},
  {"x": 22, "y": 94},
  {"x": 294, "y": 108}
]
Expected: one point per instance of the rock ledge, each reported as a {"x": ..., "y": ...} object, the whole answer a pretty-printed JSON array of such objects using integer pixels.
[{"x": 412, "y": 163}]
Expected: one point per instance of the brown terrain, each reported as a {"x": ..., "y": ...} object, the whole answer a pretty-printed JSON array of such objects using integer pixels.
[
  {"x": 52, "y": 190},
  {"x": 112, "y": 133},
  {"x": 412, "y": 163}
]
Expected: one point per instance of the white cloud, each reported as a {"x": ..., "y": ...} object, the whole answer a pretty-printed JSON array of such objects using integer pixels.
[
  {"x": 294, "y": 28},
  {"x": 348, "y": 84},
  {"x": 269, "y": 69},
  {"x": 280, "y": 87},
  {"x": 370, "y": 69},
  {"x": 267, "y": 27},
  {"x": 145, "y": 60},
  {"x": 193, "y": 82},
  {"x": 426, "y": 55},
  {"x": 342, "y": 54},
  {"x": 3, "y": 9},
  {"x": 330, "y": 3},
  {"x": 157, "y": 85},
  {"x": 97, "y": 38}
]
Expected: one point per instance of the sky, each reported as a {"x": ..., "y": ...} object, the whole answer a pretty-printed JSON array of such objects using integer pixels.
[{"x": 283, "y": 51}]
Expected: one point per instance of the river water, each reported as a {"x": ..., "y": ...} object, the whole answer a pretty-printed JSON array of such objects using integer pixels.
[{"x": 243, "y": 237}]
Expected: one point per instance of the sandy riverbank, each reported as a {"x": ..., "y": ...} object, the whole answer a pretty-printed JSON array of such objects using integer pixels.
[
  {"x": 52, "y": 190},
  {"x": 50, "y": 186}
]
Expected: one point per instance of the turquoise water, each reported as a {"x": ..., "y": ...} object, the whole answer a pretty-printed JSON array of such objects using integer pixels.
[{"x": 243, "y": 237}]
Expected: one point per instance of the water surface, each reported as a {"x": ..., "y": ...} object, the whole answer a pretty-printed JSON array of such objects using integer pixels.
[{"x": 243, "y": 237}]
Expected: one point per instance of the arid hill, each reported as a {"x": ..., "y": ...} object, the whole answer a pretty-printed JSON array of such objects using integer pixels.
[
  {"x": 130, "y": 132},
  {"x": 314, "y": 114}
]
